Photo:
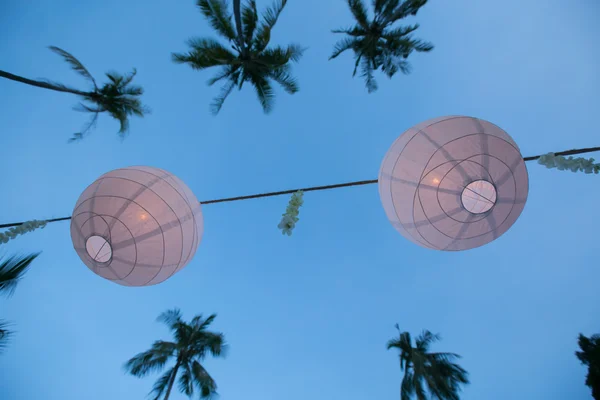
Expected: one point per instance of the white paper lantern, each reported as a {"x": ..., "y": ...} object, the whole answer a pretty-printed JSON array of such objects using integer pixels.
[
  {"x": 453, "y": 183},
  {"x": 136, "y": 226}
]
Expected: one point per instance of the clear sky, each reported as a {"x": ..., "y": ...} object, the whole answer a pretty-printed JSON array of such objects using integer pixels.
[{"x": 306, "y": 315}]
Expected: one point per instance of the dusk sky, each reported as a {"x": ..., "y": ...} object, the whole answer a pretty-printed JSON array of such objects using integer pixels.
[{"x": 306, "y": 316}]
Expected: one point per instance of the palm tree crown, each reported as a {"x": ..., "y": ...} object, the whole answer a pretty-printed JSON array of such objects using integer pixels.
[
  {"x": 427, "y": 372},
  {"x": 192, "y": 342},
  {"x": 248, "y": 59},
  {"x": 376, "y": 44},
  {"x": 12, "y": 270},
  {"x": 117, "y": 97},
  {"x": 590, "y": 357}
]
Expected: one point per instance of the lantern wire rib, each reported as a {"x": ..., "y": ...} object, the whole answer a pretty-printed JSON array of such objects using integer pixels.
[{"x": 315, "y": 188}]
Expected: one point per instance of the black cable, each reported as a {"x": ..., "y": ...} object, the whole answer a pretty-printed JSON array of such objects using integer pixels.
[{"x": 314, "y": 188}]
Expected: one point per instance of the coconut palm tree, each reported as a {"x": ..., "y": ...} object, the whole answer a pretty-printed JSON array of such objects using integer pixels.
[
  {"x": 117, "y": 97},
  {"x": 192, "y": 342},
  {"x": 376, "y": 44},
  {"x": 590, "y": 356},
  {"x": 12, "y": 270},
  {"x": 426, "y": 372},
  {"x": 248, "y": 59}
]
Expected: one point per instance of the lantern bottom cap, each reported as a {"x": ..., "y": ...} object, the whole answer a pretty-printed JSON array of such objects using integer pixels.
[
  {"x": 479, "y": 196},
  {"x": 99, "y": 249}
]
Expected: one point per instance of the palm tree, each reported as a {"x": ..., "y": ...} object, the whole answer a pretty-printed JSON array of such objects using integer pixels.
[
  {"x": 11, "y": 272},
  {"x": 434, "y": 372},
  {"x": 249, "y": 59},
  {"x": 590, "y": 356},
  {"x": 192, "y": 343},
  {"x": 376, "y": 44},
  {"x": 117, "y": 97}
]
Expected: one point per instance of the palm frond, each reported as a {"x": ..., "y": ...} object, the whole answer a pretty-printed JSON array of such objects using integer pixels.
[
  {"x": 249, "y": 21},
  {"x": 343, "y": 45},
  {"x": 218, "y": 101},
  {"x": 279, "y": 56},
  {"x": 271, "y": 14},
  {"x": 264, "y": 92},
  {"x": 437, "y": 387},
  {"x": 270, "y": 17},
  {"x": 81, "y": 107},
  {"x": 203, "y": 380},
  {"x": 151, "y": 360},
  {"x": 359, "y": 11},
  {"x": 387, "y": 11},
  {"x": 404, "y": 46},
  {"x": 127, "y": 79},
  {"x": 443, "y": 357},
  {"x": 404, "y": 344},
  {"x": 444, "y": 379},
  {"x": 200, "y": 323},
  {"x": 419, "y": 387},
  {"x": 218, "y": 16},
  {"x": 171, "y": 318},
  {"x": 367, "y": 72},
  {"x": 356, "y": 31},
  {"x": 226, "y": 72},
  {"x": 91, "y": 124},
  {"x": 400, "y": 32},
  {"x": 206, "y": 53},
  {"x": 12, "y": 271},
  {"x": 5, "y": 335},
  {"x": 75, "y": 64},
  {"x": 390, "y": 64},
  {"x": 160, "y": 386},
  {"x": 115, "y": 78},
  {"x": 421, "y": 46},
  {"x": 407, "y": 387},
  {"x": 357, "y": 60},
  {"x": 294, "y": 52},
  {"x": 186, "y": 384},
  {"x": 281, "y": 76},
  {"x": 405, "y": 8},
  {"x": 424, "y": 340},
  {"x": 123, "y": 123},
  {"x": 210, "y": 46},
  {"x": 215, "y": 343},
  {"x": 378, "y": 5}
]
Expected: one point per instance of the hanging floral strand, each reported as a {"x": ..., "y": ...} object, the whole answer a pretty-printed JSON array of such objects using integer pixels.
[
  {"x": 21, "y": 230},
  {"x": 290, "y": 218},
  {"x": 586, "y": 165}
]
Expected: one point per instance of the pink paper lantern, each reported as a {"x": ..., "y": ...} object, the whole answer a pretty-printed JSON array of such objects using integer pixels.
[
  {"x": 453, "y": 183},
  {"x": 136, "y": 226}
]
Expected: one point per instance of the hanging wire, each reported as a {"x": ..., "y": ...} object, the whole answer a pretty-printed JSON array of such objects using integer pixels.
[{"x": 315, "y": 188}]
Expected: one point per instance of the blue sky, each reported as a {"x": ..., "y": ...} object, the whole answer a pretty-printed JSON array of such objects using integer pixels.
[{"x": 307, "y": 315}]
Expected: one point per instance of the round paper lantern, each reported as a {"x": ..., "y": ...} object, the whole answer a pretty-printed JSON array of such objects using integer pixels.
[
  {"x": 453, "y": 183},
  {"x": 136, "y": 226}
]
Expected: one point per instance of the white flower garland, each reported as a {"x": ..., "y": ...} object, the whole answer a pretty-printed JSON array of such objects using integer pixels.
[
  {"x": 290, "y": 218},
  {"x": 21, "y": 230},
  {"x": 551, "y": 160}
]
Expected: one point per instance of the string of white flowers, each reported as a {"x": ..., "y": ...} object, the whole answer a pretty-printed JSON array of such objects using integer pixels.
[
  {"x": 551, "y": 160},
  {"x": 21, "y": 230},
  {"x": 290, "y": 218}
]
